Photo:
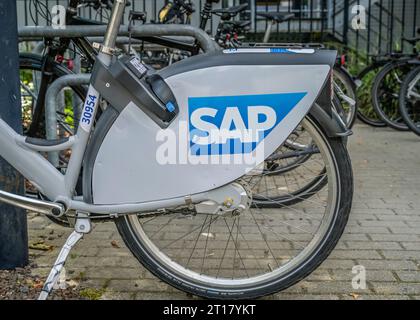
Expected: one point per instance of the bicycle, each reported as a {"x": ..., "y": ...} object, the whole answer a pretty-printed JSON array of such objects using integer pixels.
[
  {"x": 369, "y": 82},
  {"x": 386, "y": 89},
  {"x": 229, "y": 32},
  {"x": 202, "y": 204}
]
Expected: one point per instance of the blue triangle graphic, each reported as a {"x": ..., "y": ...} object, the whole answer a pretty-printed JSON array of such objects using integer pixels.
[{"x": 214, "y": 110}]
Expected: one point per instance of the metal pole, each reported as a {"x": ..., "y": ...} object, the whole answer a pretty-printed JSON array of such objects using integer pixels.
[
  {"x": 203, "y": 39},
  {"x": 13, "y": 227},
  {"x": 53, "y": 91},
  {"x": 346, "y": 21},
  {"x": 76, "y": 101}
]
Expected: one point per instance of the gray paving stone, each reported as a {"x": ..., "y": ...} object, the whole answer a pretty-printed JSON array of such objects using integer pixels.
[
  {"x": 408, "y": 276},
  {"x": 356, "y": 254},
  {"x": 401, "y": 254},
  {"x": 410, "y": 238},
  {"x": 389, "y": 265},
  {"x": 371, "y": 275},
  {"x": 390, "y": 288},
  {"x": 373, "y": 245}
]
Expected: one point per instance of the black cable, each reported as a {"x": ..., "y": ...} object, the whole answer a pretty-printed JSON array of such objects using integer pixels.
[{"x": 31, "y": 13}]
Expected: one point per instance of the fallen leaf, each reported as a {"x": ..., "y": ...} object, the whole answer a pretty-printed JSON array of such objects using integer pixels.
[
  {"x": 115, "y": 244},
  {"x": 355, "y": 296},
  {"x": 40, "y": 246}
]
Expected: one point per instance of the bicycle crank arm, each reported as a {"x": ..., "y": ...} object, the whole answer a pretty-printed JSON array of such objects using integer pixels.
[{"x": 41, "y": 206}]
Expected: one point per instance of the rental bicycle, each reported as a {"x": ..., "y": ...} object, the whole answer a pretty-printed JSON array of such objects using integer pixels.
[{"x": 188, "y": 215}]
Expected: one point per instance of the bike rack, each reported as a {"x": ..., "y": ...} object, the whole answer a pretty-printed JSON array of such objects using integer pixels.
[
  {"x": 152, "y": 30},
  {"x": 50, "y": 106}
]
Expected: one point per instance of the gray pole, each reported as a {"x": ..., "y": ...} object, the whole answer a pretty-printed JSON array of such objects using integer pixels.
[
  {"x": 346, "y": 18},
  {"x": 13, "y": 227}
]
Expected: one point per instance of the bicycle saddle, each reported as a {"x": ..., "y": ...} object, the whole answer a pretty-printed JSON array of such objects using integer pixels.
[
  {"x": 278, "y": 17},
  {"x": 232, "y": 11}
]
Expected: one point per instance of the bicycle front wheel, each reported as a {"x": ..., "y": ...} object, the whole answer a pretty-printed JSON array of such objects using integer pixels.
[
  {"x": 346, "y": 92},
  {"x": 385, "y": 94},
  {"x": 259, "y": 252},
  {"x": 365, "y": 112}
]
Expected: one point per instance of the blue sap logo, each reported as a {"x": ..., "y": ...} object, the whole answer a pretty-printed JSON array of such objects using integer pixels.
[{"x": 235, "y": 124}]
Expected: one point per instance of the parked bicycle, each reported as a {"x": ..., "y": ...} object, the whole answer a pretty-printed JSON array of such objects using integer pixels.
[
  {"x": 202, "y": 233},
  {"x": 379, "y": 87},
  {"x": 386, "y": 89}
]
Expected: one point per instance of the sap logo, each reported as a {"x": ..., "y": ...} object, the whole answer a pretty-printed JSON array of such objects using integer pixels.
[{"x": 235, "y": 124}]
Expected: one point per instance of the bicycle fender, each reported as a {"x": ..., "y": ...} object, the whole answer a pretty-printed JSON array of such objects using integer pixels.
[{"x": 231, "y": 106}]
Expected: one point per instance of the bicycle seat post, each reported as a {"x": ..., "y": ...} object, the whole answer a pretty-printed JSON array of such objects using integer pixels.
[
  {"x": 108, "y": 47},
  {"x": 267, "y": 34}
]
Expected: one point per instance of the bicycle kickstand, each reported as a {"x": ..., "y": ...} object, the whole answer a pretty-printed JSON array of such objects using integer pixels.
[{"x": 82, "y": 226}]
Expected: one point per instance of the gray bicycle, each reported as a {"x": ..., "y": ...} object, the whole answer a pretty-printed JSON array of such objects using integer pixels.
[{"x": 170, "y": 161}]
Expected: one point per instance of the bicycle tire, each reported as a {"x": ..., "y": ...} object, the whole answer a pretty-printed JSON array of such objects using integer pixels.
[
  {"x": 350, "y": 91},
  {"x": 141, "y": 249},
  {"x": 365, "y": 112},
  {"x": 406, "y": 105},
  {"x": 389, "y": 112}
]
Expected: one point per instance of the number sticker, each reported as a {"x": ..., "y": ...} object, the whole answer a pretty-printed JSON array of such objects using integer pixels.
[{"x": 88, "y": 111}]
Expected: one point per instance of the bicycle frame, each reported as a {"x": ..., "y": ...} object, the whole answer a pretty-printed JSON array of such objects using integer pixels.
[
  {"x": 58, "y": 187},
  {"x": 304, "y": 76}
]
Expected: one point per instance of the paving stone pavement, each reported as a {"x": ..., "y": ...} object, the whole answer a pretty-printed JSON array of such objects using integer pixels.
[{"x": 383, "y": 235}]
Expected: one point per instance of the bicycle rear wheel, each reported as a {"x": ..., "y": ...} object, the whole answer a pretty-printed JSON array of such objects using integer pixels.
[
  {"x": 410, "y": 100},
  {"x": 259, "y": 252},
  {"x": 365, "y": 112},
  {"x": 385, "y": 94},
  {"x": 346, "y": 93},
  {"x": 279, "y": 181}
]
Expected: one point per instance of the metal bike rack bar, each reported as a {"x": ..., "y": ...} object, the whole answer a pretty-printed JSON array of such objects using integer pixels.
[
  {"x": 203, "y": 39},
  {"x": 120, "y": 40},
  {"x": 51, "y": 104}
]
